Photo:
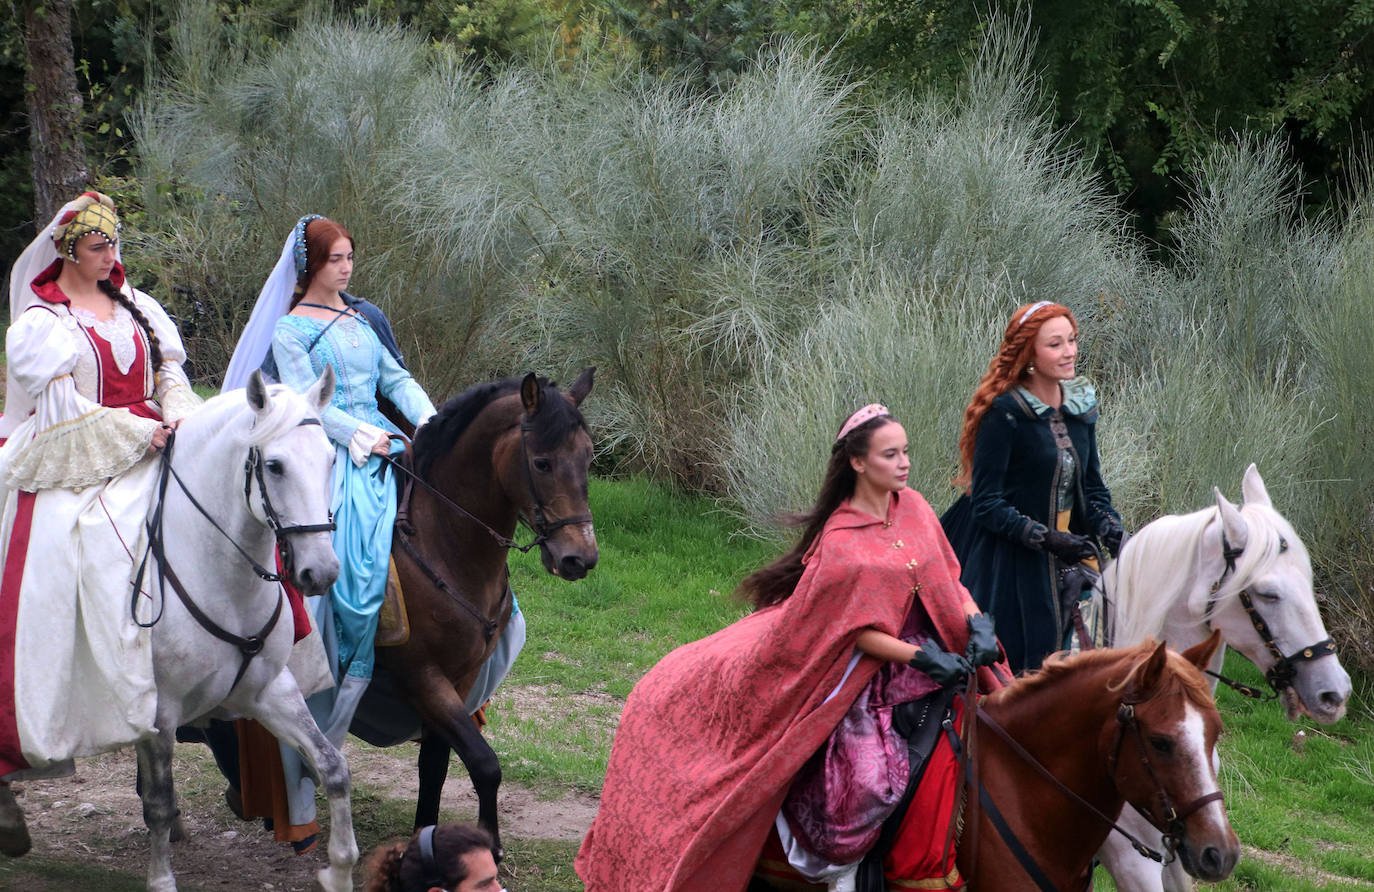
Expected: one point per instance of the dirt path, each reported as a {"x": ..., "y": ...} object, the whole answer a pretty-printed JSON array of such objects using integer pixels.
[{"x": 94, "y": 818}]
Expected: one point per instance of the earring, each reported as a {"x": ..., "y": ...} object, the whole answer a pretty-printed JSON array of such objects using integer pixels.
[{"x": 1030, "y": 367}]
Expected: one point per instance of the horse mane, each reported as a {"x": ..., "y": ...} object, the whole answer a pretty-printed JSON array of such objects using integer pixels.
[
  {"x": 286, "y": 412},
  {"x": 556, "y": 419},
  {"x": 1184, "y": 678},
  {"x": 1138, "y": 597}
]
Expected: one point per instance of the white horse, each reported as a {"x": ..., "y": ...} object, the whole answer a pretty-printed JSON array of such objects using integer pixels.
[
  {"x": 260, "y": 467},
  {"x": 1235, "y": 570}
]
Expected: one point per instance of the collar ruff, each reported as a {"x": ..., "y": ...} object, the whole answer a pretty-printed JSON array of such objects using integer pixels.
[{"x": 1079, "y": 398}]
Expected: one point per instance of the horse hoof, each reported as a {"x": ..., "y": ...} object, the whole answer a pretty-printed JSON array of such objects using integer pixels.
[
  {"x": 178, "y": 831},
  {"x": 15, "y": 841},
  {"x": 234, "y": 799}
]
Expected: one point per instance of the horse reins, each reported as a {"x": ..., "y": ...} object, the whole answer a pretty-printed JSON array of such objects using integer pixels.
[
  {"x": 1173, "y": 817},
  {"x": 248, "y": 646},
  {"x": 1285, "y": 669},
  {"x": 538, "y": 524}
]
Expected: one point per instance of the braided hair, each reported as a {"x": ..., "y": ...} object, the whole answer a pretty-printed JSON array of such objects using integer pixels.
[
  {"x": 1007, "y": 369},
  {"x": 154, "y": 346}
]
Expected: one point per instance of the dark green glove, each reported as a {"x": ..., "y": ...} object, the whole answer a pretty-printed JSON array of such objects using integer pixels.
[
  {"x": 944, "y": 668},
  {"x": 982, "y": 641}
]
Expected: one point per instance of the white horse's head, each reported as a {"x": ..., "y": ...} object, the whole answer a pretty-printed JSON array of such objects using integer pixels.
[
  {"x": 1273, "y": 568},
  {"x": 286, "y": 478}
]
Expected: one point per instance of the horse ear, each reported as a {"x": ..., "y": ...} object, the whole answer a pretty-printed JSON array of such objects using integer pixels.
[
  {"x": 582, "y": 386},
  {"x": 257, "y": 392},
  {"x": 529, "y": 393},
  {"x": 1148, "y": 674},
  {"x": 322, "y": 391},
  {"x": 1232, "y": 524},
  {"x": 1200, "y": 655},
  {"x": 1252, "y": 488}
]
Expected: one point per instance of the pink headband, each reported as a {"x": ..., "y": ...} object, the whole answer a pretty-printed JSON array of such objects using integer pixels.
[
  {"x": 1034, "y": 307},
  {"x": 867, "y": 413}
]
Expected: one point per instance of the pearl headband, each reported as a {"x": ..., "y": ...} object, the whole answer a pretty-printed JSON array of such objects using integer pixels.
[{"x": 867, "y": 413}]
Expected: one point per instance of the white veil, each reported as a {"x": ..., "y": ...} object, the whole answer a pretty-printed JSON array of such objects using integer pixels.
[
  {"x": 37, "y": 257},
  {"x": 273, "y": 302}
]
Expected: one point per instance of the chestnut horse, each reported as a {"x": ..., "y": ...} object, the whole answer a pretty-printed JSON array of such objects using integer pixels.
[
  {"x": 1133, "y": 725},
  {"x": 492, "y": 456}
]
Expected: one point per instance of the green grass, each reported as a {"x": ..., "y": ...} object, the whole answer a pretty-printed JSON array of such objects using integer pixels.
[{"x": 668, "y": 568}]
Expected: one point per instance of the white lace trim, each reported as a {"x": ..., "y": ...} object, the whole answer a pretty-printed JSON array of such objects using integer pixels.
[
  {"x": 174, "y": 393},
  {"x": 82, "y": 452},
  {"x": 118, "y": 330}
]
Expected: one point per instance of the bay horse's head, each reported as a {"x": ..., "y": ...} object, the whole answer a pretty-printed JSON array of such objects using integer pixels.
[
  {"x": 516, "y": 448},
  {"x": 1161, "y": 752},
  {"x": 555, "y": 455},
  {"x": 286, "y": 477},
  {"x": 1265, "y": 607}
]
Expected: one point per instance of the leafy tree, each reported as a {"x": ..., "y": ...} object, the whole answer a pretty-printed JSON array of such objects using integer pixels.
[{"x": 1150, "y": 86}]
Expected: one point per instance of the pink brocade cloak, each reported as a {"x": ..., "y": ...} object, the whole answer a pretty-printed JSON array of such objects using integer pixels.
[{"x": 711, "y": 738}]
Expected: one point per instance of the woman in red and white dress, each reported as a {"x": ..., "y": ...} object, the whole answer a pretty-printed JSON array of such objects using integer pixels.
[{"x": 94, "y": 387}]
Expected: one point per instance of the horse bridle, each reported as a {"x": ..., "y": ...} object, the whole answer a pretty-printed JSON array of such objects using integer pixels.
[
  {"x": 1284, "y": 672},
  {"x": 538, "y": 523},
  {"x": 248, "y": 646},
  {"x": 253, "y": 470},
  {"x": 1171, "y": 817}
]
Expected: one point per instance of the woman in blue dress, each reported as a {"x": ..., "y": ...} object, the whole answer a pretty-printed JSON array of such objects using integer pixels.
[{"x": 303, "y": 321}]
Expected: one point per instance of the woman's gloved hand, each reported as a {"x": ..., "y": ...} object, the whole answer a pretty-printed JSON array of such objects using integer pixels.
[
  {"x": 944, "y": 668},
  {"x": 1068, "y": 547},
  {"x": 982, "y": 641},
  {"x": 1111, "y": 539}
]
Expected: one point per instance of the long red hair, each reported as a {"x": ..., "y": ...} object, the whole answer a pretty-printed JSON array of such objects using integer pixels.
[{"x": 1007, "y": 369}]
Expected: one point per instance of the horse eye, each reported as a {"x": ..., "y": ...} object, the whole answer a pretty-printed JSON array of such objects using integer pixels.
[
  {"x": 1267, "y": 596},
  {"x": 275, "y": 466},
  {"x": 542, "y": 465},
  {"x": 1283, "y": 545},
  {"x": 1164, "y": 746}
]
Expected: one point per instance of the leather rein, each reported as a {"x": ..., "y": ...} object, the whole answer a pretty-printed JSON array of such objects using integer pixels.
[
  {"x": 1285, "y": 669},
  {"x": 538, "y": 523},
  {"x": 251, "y": 645}
]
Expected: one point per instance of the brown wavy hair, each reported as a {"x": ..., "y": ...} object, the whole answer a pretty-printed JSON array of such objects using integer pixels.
[
  {"x": 398, "y": 867},
  {"x": 775, "y": 583},
  {"x": 1007, "y": 369},
  {"x": 320, "y": 236}
]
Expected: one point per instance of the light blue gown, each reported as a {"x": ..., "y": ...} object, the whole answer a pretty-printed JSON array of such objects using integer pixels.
[{"x": 364, "y": 506}]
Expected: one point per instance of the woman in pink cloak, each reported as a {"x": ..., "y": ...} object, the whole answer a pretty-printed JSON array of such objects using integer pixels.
[{"x": 712, "y": 738}]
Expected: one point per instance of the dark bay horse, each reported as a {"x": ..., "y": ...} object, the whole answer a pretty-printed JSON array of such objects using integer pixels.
[
  {"x": 502, "y": 452},
  {"x": 1133, "y": 725}
]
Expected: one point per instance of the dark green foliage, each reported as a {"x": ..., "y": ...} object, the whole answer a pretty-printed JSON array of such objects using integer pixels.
[{"x": 1150, "y": 85}]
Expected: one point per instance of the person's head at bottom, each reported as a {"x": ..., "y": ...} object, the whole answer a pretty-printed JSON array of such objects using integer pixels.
[{"x": 446, "y": 858}]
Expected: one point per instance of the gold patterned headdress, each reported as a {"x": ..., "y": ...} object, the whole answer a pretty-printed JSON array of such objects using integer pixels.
[{"x": 92, "y": 212}]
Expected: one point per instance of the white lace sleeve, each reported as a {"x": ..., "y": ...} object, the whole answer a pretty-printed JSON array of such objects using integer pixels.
[{"x": 69, "y": 440}]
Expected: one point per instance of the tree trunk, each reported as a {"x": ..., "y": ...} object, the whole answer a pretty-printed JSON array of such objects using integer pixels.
[{"x": 54, "y": 105}]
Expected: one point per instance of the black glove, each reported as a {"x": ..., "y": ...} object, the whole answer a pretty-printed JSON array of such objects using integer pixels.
[
  {"x": 982, "y": 641},
  {"x": 1111, "y": 539},
  {"x": 1068, "y": 547},
  {"x": 944, "y": 668}
]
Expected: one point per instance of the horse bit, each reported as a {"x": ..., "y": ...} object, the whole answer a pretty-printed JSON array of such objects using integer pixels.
[
  {"x": 1285, "y": 669},
  {"x": 251, "y": 645}
]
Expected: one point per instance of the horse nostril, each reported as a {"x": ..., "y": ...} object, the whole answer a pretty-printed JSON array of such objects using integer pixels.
[
  {"x": 572, "y": 566},
  {"x": 1330, "y": 699}
]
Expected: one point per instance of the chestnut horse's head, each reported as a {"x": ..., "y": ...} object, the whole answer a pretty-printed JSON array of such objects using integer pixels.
[{"x": 1162, "y": 751}]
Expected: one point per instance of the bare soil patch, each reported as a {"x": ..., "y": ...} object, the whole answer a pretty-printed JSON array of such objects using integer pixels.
[{"x": 95, "y": 818}]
